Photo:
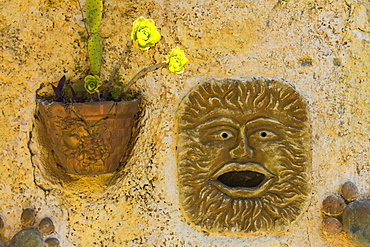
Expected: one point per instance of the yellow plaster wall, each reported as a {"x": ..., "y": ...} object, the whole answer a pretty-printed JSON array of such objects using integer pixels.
[{"x": 40, "y": 42}]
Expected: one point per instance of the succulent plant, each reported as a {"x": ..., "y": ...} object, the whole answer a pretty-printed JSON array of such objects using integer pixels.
[
  {"x": 176, "y": 60},
  {"x": 144, "y": 34},
  {"x": 95, "y": 49},
  {"x": 92, "y": 83},
  {"x": 94, "y": 13}
]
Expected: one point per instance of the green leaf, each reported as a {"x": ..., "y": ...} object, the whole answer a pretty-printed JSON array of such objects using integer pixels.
[
  {"x": 94, "y": 12},
  {"x": 95, "y": 48}
]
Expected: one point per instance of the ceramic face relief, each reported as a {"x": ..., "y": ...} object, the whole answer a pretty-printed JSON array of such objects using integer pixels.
[{"x": 243, "y": 154}]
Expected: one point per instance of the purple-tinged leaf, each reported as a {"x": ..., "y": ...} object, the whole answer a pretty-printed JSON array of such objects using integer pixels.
[
  {"x": 61, "y": 83},
  {"x": 58, "y": 97},
  {"x": 59, "y": 89}
]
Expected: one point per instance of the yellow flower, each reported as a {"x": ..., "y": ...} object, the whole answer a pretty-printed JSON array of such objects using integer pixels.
[
  {"x": 144, "y": 33},
  {"x": 92, "y": 83},
  {"x": 176, "y": 60}
]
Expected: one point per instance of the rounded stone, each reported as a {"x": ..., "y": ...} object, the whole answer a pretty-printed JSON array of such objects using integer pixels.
[
  {"x": 46, "y": 226},
  {"x": 332, "y": 226},
  {"x": 28, "y": 217},
  {"x": 52, "y": 242},
  {"x": 333, "y": 205},
  {"x": 349, "y": 191},
  {"x": 356, "y": 222},
  {"x": 27, "y": 238}
]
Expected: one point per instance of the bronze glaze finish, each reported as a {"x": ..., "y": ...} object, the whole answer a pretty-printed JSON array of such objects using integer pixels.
[
  {"x": 243, "y": 155},
  {"x": 88, "y": 138}
]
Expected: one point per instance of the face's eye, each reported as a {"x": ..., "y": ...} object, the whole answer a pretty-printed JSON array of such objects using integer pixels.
[
  {"x": 222, "y": 135},
  {"x": 265, "y": 135}
]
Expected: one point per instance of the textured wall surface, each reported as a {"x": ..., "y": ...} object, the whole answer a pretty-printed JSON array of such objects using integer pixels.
[{"x": 322, "y": 48}]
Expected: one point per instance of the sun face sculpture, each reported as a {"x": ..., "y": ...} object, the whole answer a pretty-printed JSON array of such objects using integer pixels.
[{"x": 243, "y": 155}]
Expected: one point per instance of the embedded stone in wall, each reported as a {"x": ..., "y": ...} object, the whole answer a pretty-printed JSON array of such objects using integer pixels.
[
  {"x": 350, "y": 191},
  {"x": 355, "y": 216},
  {"x": 356, "y": 221},
  {"x": 32, "y": 236},
  {"x": 243, "y": 154},
  {"x": 27, "y": 237}
]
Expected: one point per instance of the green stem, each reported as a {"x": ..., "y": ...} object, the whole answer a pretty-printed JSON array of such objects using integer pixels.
[
  {"x": 124, "y": 56},
  {"x": 141, "y": 73}
]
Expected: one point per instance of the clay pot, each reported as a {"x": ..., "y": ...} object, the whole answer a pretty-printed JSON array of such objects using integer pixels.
[{"x": 88, "y": 138}]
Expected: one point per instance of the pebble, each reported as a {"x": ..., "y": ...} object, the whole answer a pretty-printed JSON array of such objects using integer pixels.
[
  {"x": 333, "y": 205},
  {"x": 52, "y": 242},
  {"x": 350, "y": 191},
  {"x": 28, "y": 217},
  {"x": 46, "y": 226},
  {"x": 332, "y": 226}
]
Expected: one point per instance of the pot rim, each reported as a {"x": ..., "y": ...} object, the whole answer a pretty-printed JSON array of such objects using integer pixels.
[{"x": 48, "y": 103}]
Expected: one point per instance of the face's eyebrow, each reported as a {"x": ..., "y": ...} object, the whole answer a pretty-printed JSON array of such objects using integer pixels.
[
  {"x": 218, "y": 121},
  {"x": 260, "y": 121}
]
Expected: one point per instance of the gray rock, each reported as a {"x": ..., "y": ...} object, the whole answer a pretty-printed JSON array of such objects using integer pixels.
[
  {"x": 27, "y": 238},
  {"x": 356, "y": 222}
]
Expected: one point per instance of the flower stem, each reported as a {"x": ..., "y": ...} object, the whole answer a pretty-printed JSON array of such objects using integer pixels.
[
  {"x": 124, "y": 56},
  {"x": 141, "y": 73}
]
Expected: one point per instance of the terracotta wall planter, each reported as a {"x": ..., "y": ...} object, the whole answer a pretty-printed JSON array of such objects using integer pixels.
[{"x": 88, "y": 138}]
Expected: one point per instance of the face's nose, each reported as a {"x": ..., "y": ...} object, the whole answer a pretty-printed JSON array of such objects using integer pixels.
[{"x": 242, "y": 149}]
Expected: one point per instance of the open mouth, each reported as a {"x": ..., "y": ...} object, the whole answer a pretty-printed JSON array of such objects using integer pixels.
[
  {"x": 247, "y": 179},
  {"x": 242, "y": 180}
]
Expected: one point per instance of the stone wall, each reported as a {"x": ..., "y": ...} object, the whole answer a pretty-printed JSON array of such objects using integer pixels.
[{"x": 322, "y": 48}]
